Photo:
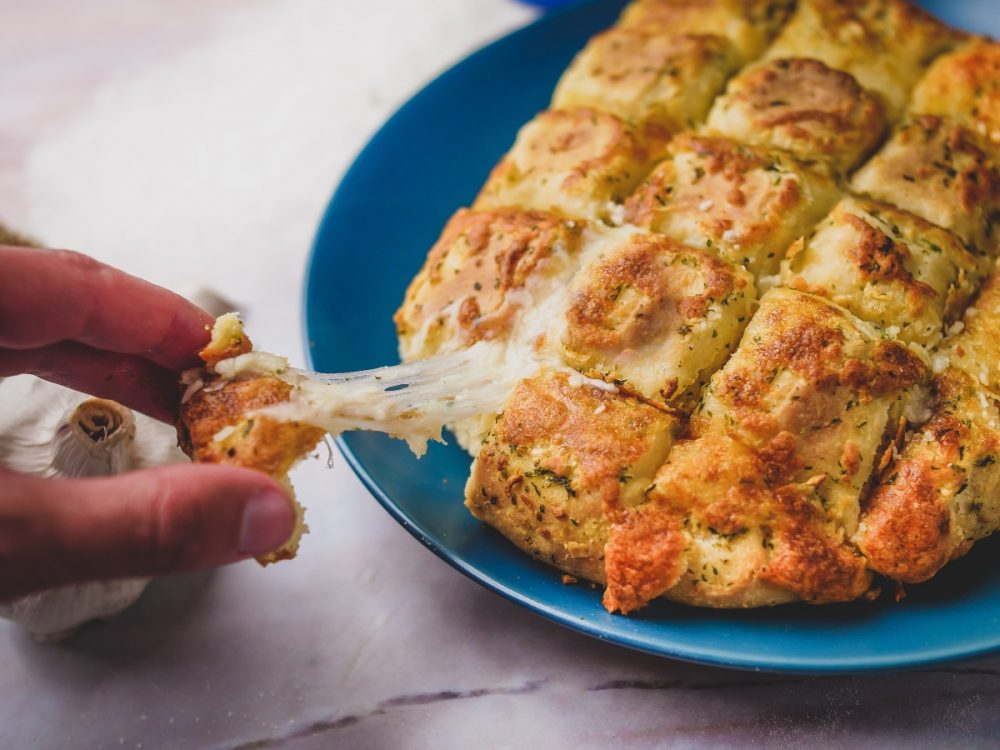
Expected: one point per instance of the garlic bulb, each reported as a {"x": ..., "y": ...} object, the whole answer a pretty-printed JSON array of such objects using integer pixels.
[
  {"x": 94, "y": 439},
  {"x": 56, "y": 614},
  {"x": 51, "y": 431}
]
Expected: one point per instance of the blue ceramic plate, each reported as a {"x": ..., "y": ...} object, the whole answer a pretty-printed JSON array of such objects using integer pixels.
[{"x": 430, "y": 158}]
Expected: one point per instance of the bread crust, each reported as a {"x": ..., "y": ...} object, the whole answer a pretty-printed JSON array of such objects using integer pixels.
[
  {"x": 888, "y": 267},
  {"x": 468, "y": 288},
  {"x": 884, "y": 44},
  {"x": 744, "y": 203},
  {"x": 664, "y": 81},
  {"x": 748, "y": 24},
  {"x": 942, "y": 493},
  {"x": 941, "y": 172},
  {"x": 656, "y": 317},
  {"x": 219, "y": 425},
  {"x": 561, "y": 460},
  {"x": 965, "y": 87},
  {"x": 814, "y": 112},
  {"x": 581, "y": 163}
]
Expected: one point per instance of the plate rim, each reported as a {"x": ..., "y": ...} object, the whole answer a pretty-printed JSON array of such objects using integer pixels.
[{"x": 705, "y": 655}]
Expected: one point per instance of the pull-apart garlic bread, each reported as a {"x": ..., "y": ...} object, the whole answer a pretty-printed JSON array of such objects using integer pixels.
[
  {"x": 721, "y": 327},
  {"x": 579, "y": 162},
  {"x": 486, "y": 268},
  {"x": 744, "y": 203},
  {"x": 489, "y": 269},
  {"x": 664, "y": 82},
  {"x": 757, "y": 504},
  {"x": 941, "y": 491},
  {"x": 885, "y": 44},
  {"x": 655, "y": 317},
  {"x": 888, "y": 267},
  {"x": 561, "y": 459},
  {"x": 748, "y": 24},
  {"x": 646, "y": 314},
  {"x": 819, "y": 115},
  {"x": 943, "y": 172},
  {"x": 964, "y": 85}
]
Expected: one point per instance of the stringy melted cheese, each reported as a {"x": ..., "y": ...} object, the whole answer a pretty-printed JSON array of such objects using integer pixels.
[{"x": 415, "y": 400}]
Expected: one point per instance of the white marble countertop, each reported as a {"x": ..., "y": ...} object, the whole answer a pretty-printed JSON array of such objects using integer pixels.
[{"x": 196, "y": 144}]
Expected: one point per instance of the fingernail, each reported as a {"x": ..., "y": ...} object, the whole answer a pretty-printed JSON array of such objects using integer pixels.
[{"x": 267, "y": 523}]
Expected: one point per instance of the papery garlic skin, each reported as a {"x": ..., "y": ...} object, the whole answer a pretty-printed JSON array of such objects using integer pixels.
[
  {"x": 56, "y": 614},
  {"x": 51, "y": 431}
]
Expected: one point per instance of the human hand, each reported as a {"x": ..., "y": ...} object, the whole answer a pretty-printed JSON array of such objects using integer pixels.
[{"x": 71, "y": 320}]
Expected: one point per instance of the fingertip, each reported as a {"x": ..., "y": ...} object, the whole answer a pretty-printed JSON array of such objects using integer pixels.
[
  {"x": 186, "y": 517},
  {"x": 267, "y": 523},
  {"x": 156, "y": 521},
  {"x": 249, "y": 510}
]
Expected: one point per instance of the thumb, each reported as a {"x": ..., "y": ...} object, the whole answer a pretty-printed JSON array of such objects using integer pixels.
[{"x": 163, "y": 520}]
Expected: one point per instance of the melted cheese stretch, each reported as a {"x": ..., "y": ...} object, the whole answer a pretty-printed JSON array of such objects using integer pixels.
[
  {"x": 412, "y": 401},
  {"x": 415, "y": 400}
]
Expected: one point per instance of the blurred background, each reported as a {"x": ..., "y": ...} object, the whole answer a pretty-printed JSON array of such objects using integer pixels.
[{"x": 175, "y": 137}]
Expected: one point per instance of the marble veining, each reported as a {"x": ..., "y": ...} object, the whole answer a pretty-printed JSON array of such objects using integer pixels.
[{"x": 413, "y": 699}]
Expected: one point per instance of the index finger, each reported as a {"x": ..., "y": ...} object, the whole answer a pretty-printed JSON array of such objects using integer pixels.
[{"x": 48, "y": 296}]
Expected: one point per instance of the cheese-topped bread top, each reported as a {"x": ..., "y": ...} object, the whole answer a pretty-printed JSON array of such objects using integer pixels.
[
  {"x": 563, "y": 458},
  {"x": 884, "y": 44},
  {"x": 656, "y": 317},
  {"x": 814, "y": 112},
  {"x": 578, "y": 162},
  {"x": 888, "y": 267},
  {"x": 474, "y": 280},
  {"x": 748, "y": 24},
  {"x": 822, "y": 383},
  {"x": 745, "y": 203},
  {"x": 658, "y": 80},
  {"x": 943, "y": 172},
  {"x": 722, "y": 528},
  {"x": 965, "y": 87}
]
